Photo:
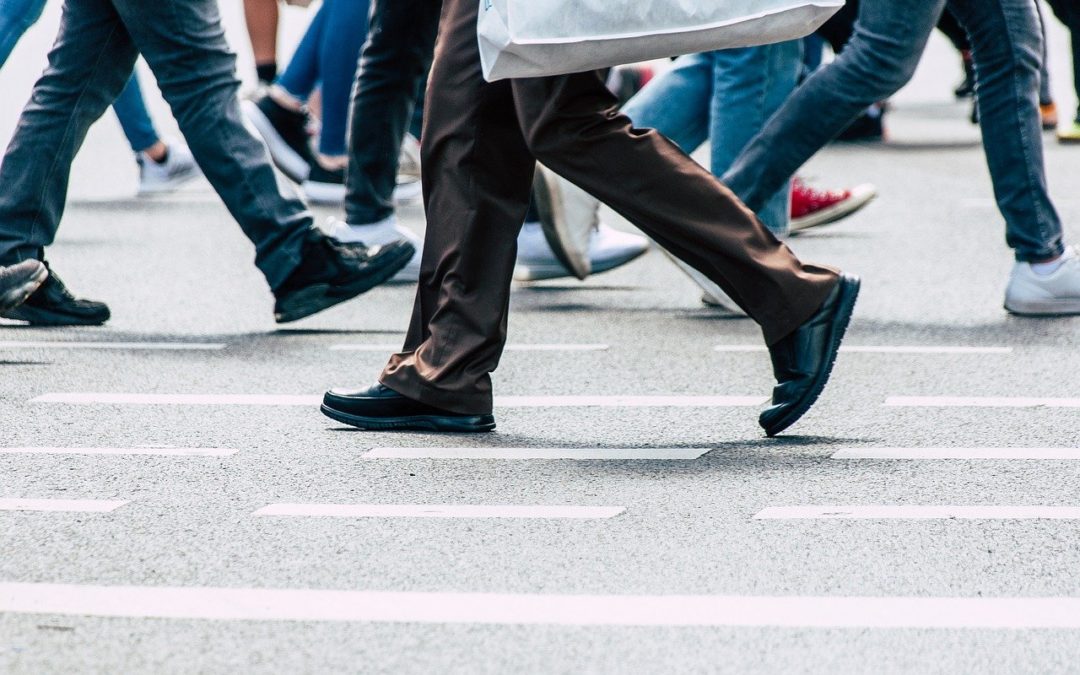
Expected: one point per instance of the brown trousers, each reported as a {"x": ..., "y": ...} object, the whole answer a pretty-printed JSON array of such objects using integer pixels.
[{"x": 481, "y": 142}]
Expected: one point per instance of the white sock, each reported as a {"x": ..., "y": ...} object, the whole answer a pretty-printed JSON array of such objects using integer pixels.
[{"x": 1045, "y": 269}]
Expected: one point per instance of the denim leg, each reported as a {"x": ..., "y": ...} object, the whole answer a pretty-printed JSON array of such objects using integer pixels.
[
  {"x": 89, "y": 64},
  {"x": 301, "y": 76},
  {"x": 1006, "y": 45},
  {"x": 130, "y": 109},
  {"x": 1068, "y": 11},
  {"x": 393, "y": 66},
  {"x": 1046, "y": 96},
  {"x": 750, "y": 85},
  {"x": 184, "y": 44},
  {"x": 346, "y": 30},
  {"x": 881, "y": 57},
  {"x": 676, "y": 103},
  {"x": 16, "y": 16}
]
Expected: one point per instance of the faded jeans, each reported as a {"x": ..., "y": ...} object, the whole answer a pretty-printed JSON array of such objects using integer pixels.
[
  {"x": 724, "y": 97},
  {"x": 90, "y": 63},
  {"x": 889, "y": 39}
]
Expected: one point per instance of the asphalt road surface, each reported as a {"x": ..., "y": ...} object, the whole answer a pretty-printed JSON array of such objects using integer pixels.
[{"x": 172, "y": 501}]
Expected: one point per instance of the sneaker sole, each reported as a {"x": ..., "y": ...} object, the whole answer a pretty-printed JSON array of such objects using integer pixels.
[
  {"x": 42, "y": 317},
  {"x": 551, "y": 270},
  {"x": 463, "y": 425},
  {"x": 319, "y": 297},
  {"x": 556, "y": 227},
  {"x": 285, "y": 158},
  {"x": 174, "y": 184},
  {"x": 1046, "y": 309},
  {"x": 849, "y": 294},
  {"x": 835, "y": 212}
]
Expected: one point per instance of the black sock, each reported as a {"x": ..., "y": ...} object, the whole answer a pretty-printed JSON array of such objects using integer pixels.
[{"x": 266, "y": 71}]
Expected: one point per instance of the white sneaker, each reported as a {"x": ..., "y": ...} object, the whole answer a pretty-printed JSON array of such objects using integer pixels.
[
  {"x": 711, "y": 294},
  {"x": 1056, "y": 294},
  {"x": 376, "y": 234},
  {"x": 608, "y": 248},
  {"x": 569, "y": 216},
  {"x": 178, "y": 168}
]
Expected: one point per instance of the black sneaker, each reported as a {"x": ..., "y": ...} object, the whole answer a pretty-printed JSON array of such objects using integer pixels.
[
  {"x": 867, "y": 128},
  {"x": 285, "y": 133},
  {"x": 325, "y": 186},
  {"x": 54, "y": 305},
  {"x": 332, "y": 272}
]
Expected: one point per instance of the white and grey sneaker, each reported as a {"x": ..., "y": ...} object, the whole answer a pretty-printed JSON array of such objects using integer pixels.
[
  {"x": 1055, "y": 294},
  {"x": 608, "y": 248},
  {"x": 377, "y": 234},
  {"x": 569, "y": 216},
  {"x": 178, "y": 168}
]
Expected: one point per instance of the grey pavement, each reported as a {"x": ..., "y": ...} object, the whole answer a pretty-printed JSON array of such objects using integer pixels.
[{"x": 176, "y": 270}]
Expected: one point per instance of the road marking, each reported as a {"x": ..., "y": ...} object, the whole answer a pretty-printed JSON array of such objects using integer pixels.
[
  {"x": 919, "y": 512},
  {"x": 437, "y": 511},
  {"x": 266, "y": 604},
  {"x": 980, "y": 402},
  {"x": 388, "y": 348},
  {"x": 885, "y": 349},
  {"x": 957, "y": 453},
  {"x": 165, "y": 452},
  {"x": 537, "y": 453},
  {"x": 155, "y": 346},
  {"x": 69, "y": 505},
  {"x": 500, "y": 401}
]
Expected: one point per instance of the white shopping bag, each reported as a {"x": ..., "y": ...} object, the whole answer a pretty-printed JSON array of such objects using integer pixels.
[{"x": 535, "y": 38}]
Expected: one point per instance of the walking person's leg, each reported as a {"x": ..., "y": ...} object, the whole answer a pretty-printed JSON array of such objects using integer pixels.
[
  {"x": 477, "y": 173},
  {"x": 881, "y": 57},
  {"x": 163, "y": 167},
  {"x": 89, "y": 64},
  {"x": 1068, "y": 12},
  {"x": 16, "y": 17}
]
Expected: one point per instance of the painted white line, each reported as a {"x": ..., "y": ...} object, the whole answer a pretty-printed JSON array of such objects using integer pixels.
[
  {"x": 885, "y": 349},
  {"x": 437, "y": 511},
  {"x": 388, "y": 348},
  {"x": 989, "y": 203},
  {"x": 537, "y": 453},
  {"x": 165, "y": 452},
  {"x": 70, "y": 505},
  {"x": 847, "y": 512},
  {"x": 500, "y": 401},
  {"x": 266, "y": 604},
  {"x": 152, "y": 346},
  {"x": 980, "y": 402},
  {"x": 958, "y": 453}
]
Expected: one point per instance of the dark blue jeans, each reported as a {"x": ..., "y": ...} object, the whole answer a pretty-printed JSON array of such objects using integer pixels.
[
  {"x": 890, "y": 36},
  {"x": 89, "y": 65},
  {"x": 393, "y": 68}
]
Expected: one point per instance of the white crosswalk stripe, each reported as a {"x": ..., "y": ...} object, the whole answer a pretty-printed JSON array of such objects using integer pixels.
[
  {"x": 958, "y": 453},
  {"x": 437, "y": 511},
  {"x": 61, "y": 505},
  {"x": 538, "y": 453},
  {"x": 500, "y": 401},
  {"x": 937, "y": 512},
  {"x": 163, "y": 451}
]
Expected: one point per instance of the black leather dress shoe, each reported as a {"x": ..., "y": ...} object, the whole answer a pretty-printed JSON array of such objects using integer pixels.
[
  {"x": 380, "y": 408},
  {"x": 53, "y": 305},
  {"x": 803, "y": 360}
]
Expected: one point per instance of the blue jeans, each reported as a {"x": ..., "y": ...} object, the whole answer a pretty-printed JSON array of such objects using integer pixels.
[
  {"x": 327, "y": 56},
  {"x": 16, "y": 17},
  {"x": 724, "y": 96},
  {"x": 890, "y": 36}
]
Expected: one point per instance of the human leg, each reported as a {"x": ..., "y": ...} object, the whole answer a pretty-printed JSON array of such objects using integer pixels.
[
  {"x": 881, "y": 57},
  {"x": 339, "y": 52},
  {"x": 134, "y": 119},
  {"x": 1007, "y": 47},
  {"x": 261, "y": 17},
  {"x": 16, "y": 16}
]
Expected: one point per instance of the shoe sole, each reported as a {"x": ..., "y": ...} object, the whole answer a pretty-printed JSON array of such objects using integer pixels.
[
  {"x": 25, "y": 285},
  {"x": 1044, "y": 309},
  {"x": 556, "y": 228},
  {"x": 548, "y": 270},
  {"x": 833, "y": 213},
  {"x": 284, "y": 157},
  {"x": 39, "y": 317},
  {"x": 464, "y": 425},
  {"x": 319, "y": 297},
  {"x": 849, "y": 293},
  {"x": 174, "y": 184}
]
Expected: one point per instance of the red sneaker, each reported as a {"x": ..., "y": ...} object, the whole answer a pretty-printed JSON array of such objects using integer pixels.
[{"x": 813, "y": 208}]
